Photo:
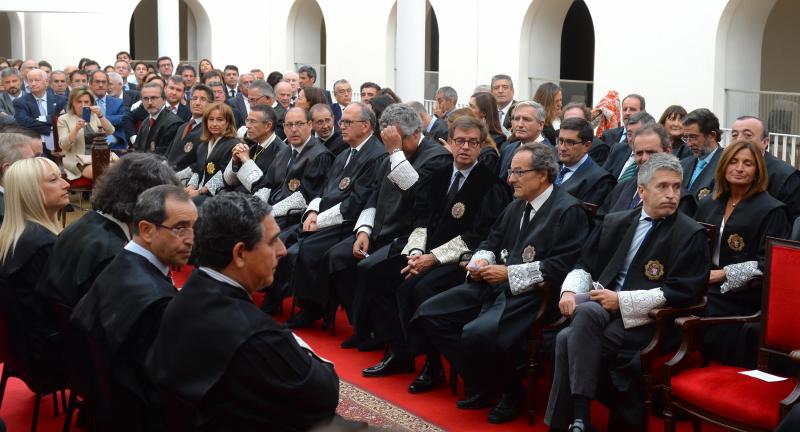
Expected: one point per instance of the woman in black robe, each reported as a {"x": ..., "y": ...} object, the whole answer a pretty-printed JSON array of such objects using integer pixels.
[
  {"x": 214, "y": 152},
  {"x": 745, "y": 214}
]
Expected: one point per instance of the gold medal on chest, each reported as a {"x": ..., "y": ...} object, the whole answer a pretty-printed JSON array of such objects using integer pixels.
[
  {"x": 528, "y": 254},
  {"x": 458, "y": 210},
  {"x": 294, "y": 184},
  {"x": 188, "y": 147},
  {"x": 703, "y": 193},
  {"x": 210, "y": 168},
  {"x": 344, "y": 183},
  {"x": 654, "y": 270},
  {"x": 736, "y": 242}
]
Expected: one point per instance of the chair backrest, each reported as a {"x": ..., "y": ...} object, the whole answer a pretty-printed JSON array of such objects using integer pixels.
[
  {"x": 13, "y": 328},
  {"x": 78, "y": 372},
  {"x": 780, "y": 302}
]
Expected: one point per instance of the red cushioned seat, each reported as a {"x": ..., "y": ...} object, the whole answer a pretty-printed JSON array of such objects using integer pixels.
[
  {"x": 695, "y": 360},
  {"x": 722, "y": 390},
  {"x": 80, "y": 182}
]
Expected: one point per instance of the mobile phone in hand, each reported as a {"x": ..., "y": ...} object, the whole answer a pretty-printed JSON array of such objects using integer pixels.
[{"x": 87, "y": 114}]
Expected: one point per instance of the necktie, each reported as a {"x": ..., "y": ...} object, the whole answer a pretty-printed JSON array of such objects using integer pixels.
[
  {"x": 526, "y": 218},
  {"x": 233, "y": 93},
  {"x": 152, "y": 122},
  {"x": 642, "y": 243},
  {"x": 697, "y": 170},
  {"x": 174, "y": 109},
  {"x": 101, "y": 103},
  {"x": 292, "y": 159},
  {"x": 628, "y": 173},
  {"x": 350, "y": 157},
  {"x": 42, "y": 107},
  {"x": 635, "y": 200},
  {"x": 189, "y": 127},
  {"x": 451, "y": 193},
  {"x": 561, "y": 174}
]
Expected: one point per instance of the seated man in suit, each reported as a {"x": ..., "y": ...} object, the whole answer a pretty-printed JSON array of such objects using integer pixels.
[
  {"x": 175, "y": 92},
  {"x": 432, "y": 127},
  {"x": 35, "y": 110},
  {"x": 634, "y": 261},
  {"x": 453, "y": 214},
  {"x": 480, "y": 325},
  {"x": 182, "y": 152},
  {"x": 112, "y": 108},
  {"x": 701, "y": 133},
  {"x": 631, "y": 104},
  {"x": 343, "y": 93},
  {"x": 219, "y": 96},
  {"x": 12, "y": 89},
  {"x": 620, "y": 162},
  {"x": 123, "y": 309},
  {"x": 241, "y": 100},
  {"x": 599, "y": 149},
  {"x": 13, "y": 147},
  {"x": 326, "y": 133},
  {"x": 158, "y": 129},
  {"x": 579, "y": 175},
  {"x": 252, "y": 159},
  {"x": 527, "y": 122},
  {"x": 216, "y": 350},
  {"x": 784, "y": 179}
]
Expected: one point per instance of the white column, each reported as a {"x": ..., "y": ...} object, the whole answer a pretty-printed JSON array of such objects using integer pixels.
[
  {"x": 169, "y": 43},
  {"x": 410, "y": 49},
  {"x": 33, "y": 36}
]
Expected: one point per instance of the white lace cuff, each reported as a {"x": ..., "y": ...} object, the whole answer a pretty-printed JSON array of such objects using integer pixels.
[
  {"x": 194, "y": 180},
  {"x": 522, "y": 277},
  {"x": 635, "y": 305},
  {"x": 184, "y": 175},
  {"x": 214, "y": 184},
  {"x": 229, "y": 175},
  {"x": 249, "y": 173},
  {"x": 416, "y": 241},
  {"x": 483, "y": 255},
  {"x": 577, "y": 281},
  {"x": 451, "y": 251},
  {"x": 737, "y": 275},
  {"x": 295, "y": 201},
  {"x": 403, "y": 174},
  {"x": 314, "y": 205},
  {"x": 366, "y": 220},
  {"x": 263, "y": 194},
  {"x": 330, "y": 217}
]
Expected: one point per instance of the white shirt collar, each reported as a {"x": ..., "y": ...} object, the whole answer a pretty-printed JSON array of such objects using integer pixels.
[
  {"x": 44, "y": 96},
  {"x": 300, "y": 149},
  {"x": 539, "y": 201},
  {"x": 217, "y": 276},
  {"x": 358, "y": 149},
  {"x": 465, "y": 172},
  {"x": 575, "y": 167},
  {"x": 268, "y": 141},
  {"x": 538, "y": 139},
  {"x": 121, "y": 224},
  {"x": 138, "y": 249},
  {"x": 2, "y": 189},
  {"x": 644, "y": 215}
]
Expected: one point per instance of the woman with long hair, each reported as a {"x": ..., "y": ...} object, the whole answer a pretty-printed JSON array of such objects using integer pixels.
[
  {"x": 214, "y": 152},
  {"x": 672, "y": 120},
  {"x": 204, "y": 66},
  {"x": 484, "y": 106},
  {"x": 550, "y": 97},
  {"x": 309, "y": 96}
]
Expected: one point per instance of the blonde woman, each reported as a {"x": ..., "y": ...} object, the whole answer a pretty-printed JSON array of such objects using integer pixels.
[
  {"x": 35, "y": 192},
  {"x": 71, "y": 132}
]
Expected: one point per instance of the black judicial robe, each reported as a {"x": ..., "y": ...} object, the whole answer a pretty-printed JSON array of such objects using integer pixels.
[
  {"x": 182, "y": 151},
  {"x": 263, "y": 158},
  {"x": 743, "y": 239},
  {"x": 335, "y": 144},
  {"x": 490, "y": 157},
  {"x": 599, "y": 151},
  {"x": 29, "y": 325},
  {"x": 208, "y": 164},
  {"x": 158, "y": 138},
  {"x": 122, "y": 311},
  {"x": 784, "y": 183},
  {"x": 680, "y": 150},
  {"x": 309, "y": 168},
  {"x": 704, "y": 183},
  {"x": 2, "y": 206},
  {"x": 81, "y": 252},
  {"x": 589, "y": 183},
  {"x": 360, "y": 174},
  {"x": 244, "y": 371}
]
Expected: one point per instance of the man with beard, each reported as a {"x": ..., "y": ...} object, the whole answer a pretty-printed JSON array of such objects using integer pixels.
[
  {"x": 701, "y": 133},
  {"x": 157, "y": 130}
]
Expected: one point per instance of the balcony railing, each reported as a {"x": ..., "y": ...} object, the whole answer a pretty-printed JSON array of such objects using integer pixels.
[
  {"x": 571, "y": 90},
  {"x": 785, "y": 147},
  {"x": 780, "y": 110},
  {"x": 431, "y": 84}
]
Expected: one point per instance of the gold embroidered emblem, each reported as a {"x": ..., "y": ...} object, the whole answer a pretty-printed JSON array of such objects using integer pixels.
[
  {"x": 703, "y": 193},
  {"x": 152, "y": 146},
  {"x": 458, "y": 210},
  {"x": 210, "y": 168},
  {"x": 344, "y": 183},
  {"x": 528, "y": 254},
  {"x": 503, "y": 255},
  {"x": 188, "y": 147},
  {"x": 654, "y": 270},
  {"x": 294, "y": 184},
  {"x": 736, "y": 242}
]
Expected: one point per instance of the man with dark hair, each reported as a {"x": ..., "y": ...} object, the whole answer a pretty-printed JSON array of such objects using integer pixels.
[
  {"x": 701, "y": 133},
  {"x": 503, "y": 92},
  {"x": 241, "y": 100},
  {"x": 183, "y": 151},
  {"x": 257, "y": 74},
  {"x": 90, "y": 66},
  {"x": 579, "y": 175},
  {"x": 124, "y": 55},
  {"x": 453, "y": 214},
  {"x": 231, "y": 78},
  {"x": 45, "y": 66},
  {"x": 123, "y": 68},
  {"x": 86, "y": 247},
  {"x": 369, "y": 90},
  {"x": 308, "y": 77},
  {"x": 123, "y": 308},
  {"x": 784, "y": 179},
  {"x": 157, "y": 131},
  {"x": 164, "y": 64},
  {"x": 631, "y": 104},
  {"x": 12, "y": 90},
  {"x": 599, "y": 149},
  {"x": 111, "y": 107},
  {"x": 78, "y": 78},
  {"x": 432, "y": 126},
  {"x": 215, "y": 349},
  {"x": 252, "y": 159},
  {"x": 175, "y": 92},
  {"x": 634, "y": 261},
  {"x": 620, "y": 162},
  {"x": 189, "y": 75},
  {"x": 325, "y": 130},
  {"x": 480, "y": 326}
]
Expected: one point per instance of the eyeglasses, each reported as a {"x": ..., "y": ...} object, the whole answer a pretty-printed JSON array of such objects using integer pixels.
[
  {"x": 518, "y": 173},
  {"x": 691, "y": 137},
  {"x": 568, "y": 142},
  {"x": 347, "y": 123},
  {"x": 182, "y": 232},
  {"x": 472, "y": 142},
  {"x": 297, "y": 125}
]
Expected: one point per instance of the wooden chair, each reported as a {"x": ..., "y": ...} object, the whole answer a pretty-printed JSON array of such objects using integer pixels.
[{"x": 721, "y": 394}]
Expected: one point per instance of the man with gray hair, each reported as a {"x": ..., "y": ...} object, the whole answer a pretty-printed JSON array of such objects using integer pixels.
[
  {"x": 634, "y": 261},
  {"x": 364, "y": 264},
  {"x": 446, "y": 100},
  {"x": 527, "y": 120},
  {"x": 240, "y": 101},
  {"x": 35, "y": 110},
  {"x": 480, "y": 326},
  {"x": 13, "y": 147},
  {"x": 343, "y": 93}
]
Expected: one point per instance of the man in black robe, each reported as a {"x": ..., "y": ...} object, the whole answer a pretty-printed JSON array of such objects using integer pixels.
[
  {"x": 356, "y": 268},
  {"x": 481, "y": 326},
  {"x": 157, "y": 130},
  {"x": 182, "y": 153},
  {"x": 122, "y": 311},
  {"x": 579, "y": 175},
  {"x": 633, "y": 261},
  {"x": 330, "y": 217},
  {"x": 252, "y": 160},
  {"x": 784, "y": 179},
  {"x": 702, "y": 134},
  {"x": 86, "y": 247},
  {"x": 215, "y": 349},
  {"x": 325, "y": 130},
  {"x": 453, "y": 214}
]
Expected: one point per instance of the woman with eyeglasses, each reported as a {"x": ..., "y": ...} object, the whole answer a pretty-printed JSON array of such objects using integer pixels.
[
  {"x": 34, "y": 194},
  {"x": 672, "y": 120},
  {"x": 214, "y": 152},
  {"x": 745, "y": 215}
]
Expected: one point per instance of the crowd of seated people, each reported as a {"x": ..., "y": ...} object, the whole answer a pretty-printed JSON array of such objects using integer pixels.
[{"x": 443, "y": 235}]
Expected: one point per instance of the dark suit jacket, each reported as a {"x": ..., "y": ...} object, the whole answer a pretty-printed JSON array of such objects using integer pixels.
[
  {"x": 438, "y": 131},
  {"x": 115, "y": 113},
  {"x": 704, "y": 184},
  {"x": 612, "y": 136},
  {"x": 183, "y": 150},
  {"x": 6, "y": 104},
  {"x": 507, "y": 119},
  {"x": 158, "y": 138},
  {"x": 507, "y": 153},
  {"x": 337, "y": 113},
  {"x": 335, "y": 143},
  {"x": 784, "y": 183},
  {"x": 132, "y": 86},
  {"x": 27, "y": 112},
  {"x": 620, "y": 152},
  {"x": 281, "y": 111},
  {"x": 237, "y": 102},
  {"x": 130, "y": 97},
  {"x": 589, "y": 183}
]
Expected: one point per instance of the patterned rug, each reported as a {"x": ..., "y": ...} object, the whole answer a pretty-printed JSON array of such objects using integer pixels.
[{"x": 358, "y": 404}]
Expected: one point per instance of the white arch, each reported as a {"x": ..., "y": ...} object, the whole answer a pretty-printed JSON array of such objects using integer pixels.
[
  {"x": 16, "y": 33},
  {"x": 199, "y": 37},
  {"x": 540, "y": 42},
  {"x": 391, "y": 48},
  {"x": 304, "y": 27}
]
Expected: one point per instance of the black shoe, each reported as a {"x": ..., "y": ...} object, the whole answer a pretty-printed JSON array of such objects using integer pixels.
[
  {"x": 506, "y": 409},
  {"x": 353, "y": 341},
  {"x": 431, "y": 376},
  {"x": 476, "y": 401},
  {"x": 390, "y": 365},
  {"x": 303, "y": 319},
  {"x": 372, "y": 344},
  {"x": 579, "y": 426}
]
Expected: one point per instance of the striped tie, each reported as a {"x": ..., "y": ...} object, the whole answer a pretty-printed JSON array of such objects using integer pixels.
[{"x": 628, "y": 173}]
